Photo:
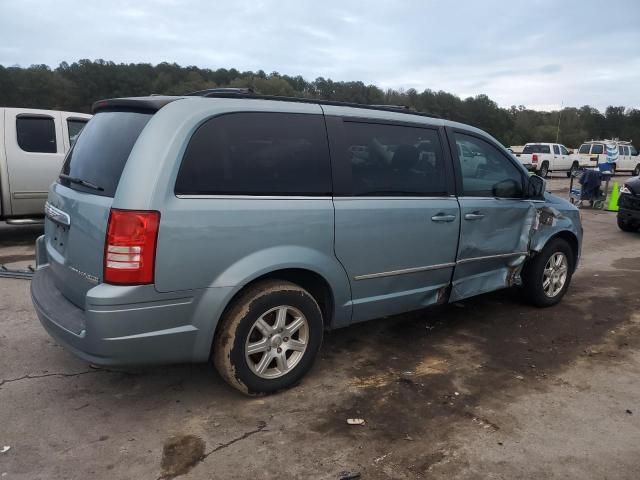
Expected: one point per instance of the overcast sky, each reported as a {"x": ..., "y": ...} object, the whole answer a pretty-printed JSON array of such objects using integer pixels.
[{"x": 539, "y": 53}]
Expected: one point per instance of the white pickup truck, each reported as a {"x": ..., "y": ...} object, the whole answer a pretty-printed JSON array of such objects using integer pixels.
[
  {"x": 549, "y": 157},
  {"x": 33, "y": 144}
]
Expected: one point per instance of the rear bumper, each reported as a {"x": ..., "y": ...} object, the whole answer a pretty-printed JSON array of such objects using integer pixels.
[{"x": 123, "y": 325}]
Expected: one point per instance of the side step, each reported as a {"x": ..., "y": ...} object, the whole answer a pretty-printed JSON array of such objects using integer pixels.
[
  {"x": 22, "y": 274},
  {"x": 25, "y": 221}
]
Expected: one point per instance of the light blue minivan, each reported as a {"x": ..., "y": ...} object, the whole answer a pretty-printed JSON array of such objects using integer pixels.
[{"x": 234, "y": 227}]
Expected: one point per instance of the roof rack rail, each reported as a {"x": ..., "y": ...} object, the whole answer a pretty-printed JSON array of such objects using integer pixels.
[
  {"x": 394, "y": 107},
  {"x": 210, "y": 92},
  {"x": 250, "y": 94}
]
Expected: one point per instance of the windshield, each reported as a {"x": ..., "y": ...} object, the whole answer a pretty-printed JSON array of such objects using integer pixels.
[
  {"x": 101, "y": 151},
  {"x": 536, "y": 148}
]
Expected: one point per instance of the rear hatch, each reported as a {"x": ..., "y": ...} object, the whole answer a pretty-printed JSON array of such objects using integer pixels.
[
  {"x": 531, "y": 154},
  {"x": 591, "y": 153},
  {"x": 76, "y": 226}
]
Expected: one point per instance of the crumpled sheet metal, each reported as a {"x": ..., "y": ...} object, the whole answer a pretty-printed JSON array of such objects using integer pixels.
[{"x": 541, "y": 223}]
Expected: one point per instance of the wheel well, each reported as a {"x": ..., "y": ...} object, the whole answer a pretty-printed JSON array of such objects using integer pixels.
[
  {"x": 571, "y": 239},
  {"x": 312, "y": 282}
]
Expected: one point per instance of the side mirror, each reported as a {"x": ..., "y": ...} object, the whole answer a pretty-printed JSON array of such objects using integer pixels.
[
  {"x": 507, "y": 189},
  {"x": 536, "y": 186}
]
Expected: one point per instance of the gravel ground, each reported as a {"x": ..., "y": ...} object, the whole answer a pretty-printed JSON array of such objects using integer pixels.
[{"x": 486, "y": 388}]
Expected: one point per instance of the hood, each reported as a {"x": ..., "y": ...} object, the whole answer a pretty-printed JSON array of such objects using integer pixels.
[
  {"x": 558, "y": 202},
  {"x": 634, "y": 185}
]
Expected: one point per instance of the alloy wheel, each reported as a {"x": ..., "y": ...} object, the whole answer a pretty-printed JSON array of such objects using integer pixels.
[
  {"x": 554, "y": 275},
  {"x": 277, "y": 342}
]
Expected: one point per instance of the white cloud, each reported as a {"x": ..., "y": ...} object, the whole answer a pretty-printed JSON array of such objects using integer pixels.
[{"x": 540, "y": 53}]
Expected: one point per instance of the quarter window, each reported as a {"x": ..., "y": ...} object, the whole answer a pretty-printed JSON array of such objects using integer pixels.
[
  {"x": 36, "y": 134},
  {"x": 394, "y": 160},
  {"x": 74, "y": 127},
  {"x": 487, "y": 172},
  {"x": 257, "y": 154},
  {"x": 597, "y": 149}
]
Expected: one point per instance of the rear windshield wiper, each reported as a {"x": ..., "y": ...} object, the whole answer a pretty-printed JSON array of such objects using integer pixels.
[{"x": 79, "y": 181}]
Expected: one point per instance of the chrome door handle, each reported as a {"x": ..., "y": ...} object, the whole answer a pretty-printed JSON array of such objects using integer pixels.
[
  {"x": 443, "y": 218},
  {"x": 473, "y": 216}
]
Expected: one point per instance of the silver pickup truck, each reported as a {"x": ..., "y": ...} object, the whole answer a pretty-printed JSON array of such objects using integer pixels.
[{"x": 33, "y": 144}]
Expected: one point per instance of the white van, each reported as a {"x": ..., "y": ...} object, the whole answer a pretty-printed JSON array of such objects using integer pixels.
[
  {"x": 33, "y": 144},
  {"x": 622, "y": 154}
]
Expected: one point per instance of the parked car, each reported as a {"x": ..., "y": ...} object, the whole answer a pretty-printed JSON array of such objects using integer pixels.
[
  {"x": 240, "y": 227},
  {"x": 549, "y": 157},
  {"x": 629, "y": 206},
  {"x": 33, "y": 144},
  {"x": 623, "y": 155}
]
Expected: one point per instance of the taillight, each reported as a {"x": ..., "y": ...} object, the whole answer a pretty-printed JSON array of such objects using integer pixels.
[
  {"x": 130, "y": 247},
  {"x": 534, "y": 158}
]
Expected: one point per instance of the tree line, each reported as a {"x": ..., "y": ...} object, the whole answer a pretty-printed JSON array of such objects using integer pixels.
[{"x": 76, "y": 86}]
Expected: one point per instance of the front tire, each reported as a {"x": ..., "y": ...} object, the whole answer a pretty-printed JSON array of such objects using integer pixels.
[
  {"x": 636, "y": 171},
  {"x": 626, "y": 226},
  {"x": 546, "y": 277},
  {"x": 268, "y": 338},
  {"x": 573, "y": 171}
]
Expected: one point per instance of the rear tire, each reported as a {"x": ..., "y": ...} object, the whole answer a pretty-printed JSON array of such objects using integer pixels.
[
  {"x": 626, "y": 226},
  {"x": 546, "y": 277},
  {"x": 544, "y": 169},
  {"x": 636, "y": 171},
  {"x": 281, "y": 323}
]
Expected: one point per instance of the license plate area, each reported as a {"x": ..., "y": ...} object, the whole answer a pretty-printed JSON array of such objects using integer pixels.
[{"x": 59, "y": 236}]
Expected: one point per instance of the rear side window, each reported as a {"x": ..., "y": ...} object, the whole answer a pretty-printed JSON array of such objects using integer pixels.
[
  {"x": 556, "y": 150},
  {"x": 74, "y": 126},
  {"x": 597, "y": 149},
  {"x": 394, "y": 160},
  {"x": 101, "y": 152},
  {"x": 36, "y": 134},
  {"x": 584, "y": 148},
  {"x": 257, "y": 154},
  {"x": 624, "y": 150}
]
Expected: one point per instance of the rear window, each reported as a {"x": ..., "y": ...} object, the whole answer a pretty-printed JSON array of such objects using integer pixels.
[
  {"x": 257, "y": 154},
  {"x": 75, "y": 126},
  {"x": 597, "y": 149},
  {"x": 36, "y": 134},
  {"x": 536, "y": 148},
  {"x": 102, "y": 149},
  {"x": 584, "y": 148}
]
